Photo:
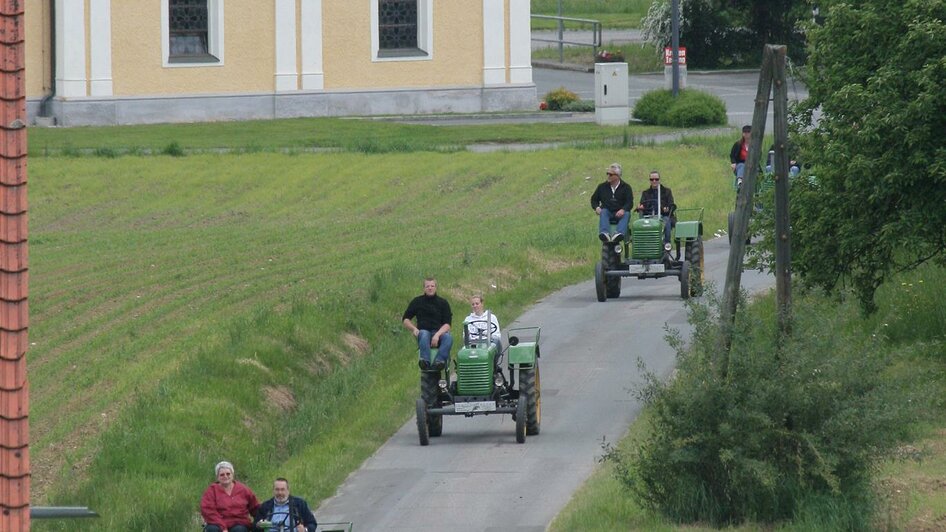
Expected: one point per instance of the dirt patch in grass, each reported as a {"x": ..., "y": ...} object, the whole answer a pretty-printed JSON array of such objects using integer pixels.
[
  {"x": 356, "y": 344},
  {"x": 490, "y": 281},
  {"x": 280, "y": 397},
  {"x": 550, "y": 264}
]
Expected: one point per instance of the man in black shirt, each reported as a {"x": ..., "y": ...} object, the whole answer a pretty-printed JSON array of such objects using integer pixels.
[
  {"x": 433, "y": 325},
  {"x": 612, "y": 199},
  {"x": 649, "y": 200}
]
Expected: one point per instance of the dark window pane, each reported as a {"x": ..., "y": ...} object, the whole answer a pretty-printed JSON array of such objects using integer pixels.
[
  {"x": 397, "y": 24},
  {"x": 188, "y": 27}
]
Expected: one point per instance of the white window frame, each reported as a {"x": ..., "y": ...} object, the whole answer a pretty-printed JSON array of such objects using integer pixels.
[
  {"x": 214, "y": 36},
  {"x": 425, "y": 33}
]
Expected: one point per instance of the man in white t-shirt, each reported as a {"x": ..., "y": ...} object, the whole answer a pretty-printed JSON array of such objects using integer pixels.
[{"x": 480, "y": 327}]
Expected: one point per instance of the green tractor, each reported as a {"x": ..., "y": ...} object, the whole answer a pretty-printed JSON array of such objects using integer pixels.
[
  {"x": 478, "y": 386},
  {"x": 646, "y": 256}
]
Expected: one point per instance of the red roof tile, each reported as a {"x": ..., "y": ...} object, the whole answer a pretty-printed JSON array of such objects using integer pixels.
[
  {"x": 15, "y": 404},
  {"x": 14, "y": 279},
  {"x": 14, "y": 256}
]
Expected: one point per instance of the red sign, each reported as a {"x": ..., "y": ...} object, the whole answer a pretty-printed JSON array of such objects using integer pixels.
[{"x": 681, "y": 55}]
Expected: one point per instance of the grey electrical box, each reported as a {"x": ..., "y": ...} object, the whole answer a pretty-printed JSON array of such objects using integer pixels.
[{"x": 611, "y": 101}]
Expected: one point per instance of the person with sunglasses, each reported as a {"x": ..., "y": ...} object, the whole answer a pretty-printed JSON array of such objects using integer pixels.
[
  {"x": 612, "y": 200},
  {"x": 648, "y": 205}
]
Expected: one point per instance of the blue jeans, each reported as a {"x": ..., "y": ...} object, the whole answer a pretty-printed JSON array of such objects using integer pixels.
[
  {"x": 443, "y": 350},
  {"x": 793, "y": 170},
  {"x": 667, "y": 226},
  {"x": 604, "y": 222}
]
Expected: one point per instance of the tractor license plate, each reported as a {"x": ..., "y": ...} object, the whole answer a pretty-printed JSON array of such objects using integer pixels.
[
  {"x": 476, "y": 406},
  {"x": 645, "y": 268}
]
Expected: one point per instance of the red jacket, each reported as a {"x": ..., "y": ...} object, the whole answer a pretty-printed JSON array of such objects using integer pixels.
[{"x": 224, "y": 510}]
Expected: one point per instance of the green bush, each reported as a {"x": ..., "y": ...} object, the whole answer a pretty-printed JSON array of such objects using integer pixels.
[
  {"x": 580, "y": 106},
  {"x": 764, "y": 433},
  {"x": 689, "y": 108},
  {"x": 558, "y": 98}
]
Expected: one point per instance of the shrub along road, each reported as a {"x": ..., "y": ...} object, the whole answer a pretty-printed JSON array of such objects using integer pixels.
[{"x": 476, "y": 477}]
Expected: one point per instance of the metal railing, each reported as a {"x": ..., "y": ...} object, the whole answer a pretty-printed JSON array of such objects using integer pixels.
[{"x": 595, "y": 34}]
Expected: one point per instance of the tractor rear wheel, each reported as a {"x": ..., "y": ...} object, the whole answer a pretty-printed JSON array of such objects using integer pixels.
[
  {"x": 685, "y": 280},
  {"x": 521, "y": 406},
  {"x": 600, "y": 289},
  {"x": 429, "y": 392},
  {"x": 422, "y": 422},
  {"x": 530, "y": 384},
  {"x": 694, "y": 254}
]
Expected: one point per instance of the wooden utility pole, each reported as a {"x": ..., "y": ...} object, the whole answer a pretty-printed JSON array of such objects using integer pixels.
[
  {"x": 773, "y": 72},
  {"x": 783, "y": 241}
]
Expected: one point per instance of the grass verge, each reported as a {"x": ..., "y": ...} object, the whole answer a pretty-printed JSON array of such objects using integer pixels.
[
  {"x": 640, "y": 59},
  {"x": 906, "y": 488}
]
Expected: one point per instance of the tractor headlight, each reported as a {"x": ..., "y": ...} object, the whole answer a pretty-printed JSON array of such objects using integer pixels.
[
  {"x": 442, "y": 384},
  {"x": 617, "y": 249},
  {"x": 667, "y": 246},
  {"x": 499, "y": 380}
]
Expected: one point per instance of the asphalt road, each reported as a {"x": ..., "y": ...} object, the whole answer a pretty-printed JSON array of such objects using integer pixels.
[
  {"x": 476, "y": 477},
  {"x": 736, "y": 89}
]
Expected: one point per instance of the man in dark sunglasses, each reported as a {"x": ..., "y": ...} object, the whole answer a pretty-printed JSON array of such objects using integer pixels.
[
  {"x": 658, "y": 198},
  {"x": 612, "y": 200}
]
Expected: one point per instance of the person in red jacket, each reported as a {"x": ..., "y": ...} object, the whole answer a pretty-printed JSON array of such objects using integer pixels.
[{"x": 227, "y": 505}]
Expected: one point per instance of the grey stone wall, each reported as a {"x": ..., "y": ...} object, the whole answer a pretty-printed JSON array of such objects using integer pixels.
[{"x": 214, "y": 107}]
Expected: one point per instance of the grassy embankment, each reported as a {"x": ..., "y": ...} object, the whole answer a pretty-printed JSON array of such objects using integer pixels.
[
  {"x": 613, "y": 15},
  {"x": 908, "y": 494},
  {"x": 245, "y": 306}
]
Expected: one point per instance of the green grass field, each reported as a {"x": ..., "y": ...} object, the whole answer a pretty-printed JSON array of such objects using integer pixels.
[
  {"x": 307, "y": 134},
  {"x": 245, "y": 305},
  {"x": 612, "y": 14},
  {"x": 639, "y": 58}
]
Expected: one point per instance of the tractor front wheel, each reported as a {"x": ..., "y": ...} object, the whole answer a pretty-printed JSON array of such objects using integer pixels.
[
  {"x": 694, "y": 254},
  {"x": 685, "y": 280},
  {"x": 430, "y": 393},
  {"x": 422, "y": 422},
  {"x": 530, "y": 385},
  {"x": 600, "y": 289},
  {"x": 521, "y": 406},
  {"x": 731, "y": 222}
]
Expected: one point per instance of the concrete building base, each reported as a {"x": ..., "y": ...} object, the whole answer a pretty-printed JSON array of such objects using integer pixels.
[{"x": 97, "y": 111}]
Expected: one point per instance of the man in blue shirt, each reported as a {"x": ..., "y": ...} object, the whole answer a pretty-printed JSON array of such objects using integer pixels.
[{"x": 286, "y": 512}]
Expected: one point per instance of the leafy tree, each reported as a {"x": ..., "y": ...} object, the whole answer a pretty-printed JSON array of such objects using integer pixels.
[
  {"x": 878, "y": 206},
  {"x": 728, "y": 32}
]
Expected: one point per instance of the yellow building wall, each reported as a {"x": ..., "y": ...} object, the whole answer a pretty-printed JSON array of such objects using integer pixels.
[
  {"x": 248, "y": 49},
  {"x": 457, "y": 48},
  {"x": 38, "y": 42}
]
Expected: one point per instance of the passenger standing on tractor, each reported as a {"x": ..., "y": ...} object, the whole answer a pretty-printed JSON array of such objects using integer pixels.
[
  {"x": 433, "y": 325},
  {"x": 612, "y": 199},
  {"x": 480, "y": 328},
  {"x": 648, "y": 203},
  {"x": 739, "y": 153}
]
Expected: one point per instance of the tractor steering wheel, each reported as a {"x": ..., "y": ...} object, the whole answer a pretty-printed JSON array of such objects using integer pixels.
[{"x": 476, "y": 332}]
